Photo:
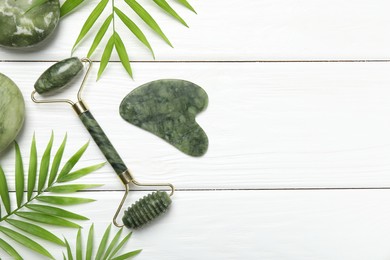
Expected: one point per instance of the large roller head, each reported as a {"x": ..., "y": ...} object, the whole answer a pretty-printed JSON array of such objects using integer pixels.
[{"x": 58, "y": 75}]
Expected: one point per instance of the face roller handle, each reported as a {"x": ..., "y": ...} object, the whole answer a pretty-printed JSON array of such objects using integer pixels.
[
  {"x": 103, "y": 142},
  {"x": 58, "y": 76}
]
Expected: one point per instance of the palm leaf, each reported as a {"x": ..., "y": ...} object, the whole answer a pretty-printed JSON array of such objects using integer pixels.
[
  {"x": 103, "y": 243},
  {"x": 19, "y": 176},
  {"x": 35, "y": 4},
  {"x": 148, "y": 19},
  {"x": 127, "y": 255},
  {"x": 10, "y": 250},
  {"x": 79, "y": 246},
  {"x": 54, "y": 211},
  {"x": 4, "y": 193},
  {"x": 45, "y": 163},
  {"x": 32, "y": 169},
  {"x": 115, "y": 40},
  {"x": 70, "y": 188},
  {"x": 61, "y": 200},
  {"x": 73, "y": 160},
  {"x": 88, "y": 254},
  {"x": 69, "y": 5},
  {"x": 106, "y": 56},
  {"x": 113, "y": 243},
  {"x": 134, "y": 29},
  {"x": 91, "y": 21},
  {"x": 99, "y": 36},
  {"x": 121, "y": 50},
  {"x": 25, "y": 241},
  {"x": 167, "y": 8},
  {"x": 120, "y": 245},
  {"x": 38, "y": 213},
  {"x": 103, "y": 252},
  {"x": 47, "y": 219},
  {"x": 68, "y": 250},
  {"x": 36, "y": 231},
  {"x": 186, "y": 4},
  {"x": 57, "y": 161},
  {"x": 80, "y": 173}
]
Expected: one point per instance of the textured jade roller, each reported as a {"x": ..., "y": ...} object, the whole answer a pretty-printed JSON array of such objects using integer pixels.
[{"x": 145, "y": 209}]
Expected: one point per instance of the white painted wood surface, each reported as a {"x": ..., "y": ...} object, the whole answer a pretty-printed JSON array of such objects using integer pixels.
[
  {"x": 298, "y": 164},
  {"x": 245, "y": 30},
  {"x": 342, "y": 224}
]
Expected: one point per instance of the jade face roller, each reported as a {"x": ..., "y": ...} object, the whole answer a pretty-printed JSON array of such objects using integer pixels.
[{"x": 147, "y": 208}]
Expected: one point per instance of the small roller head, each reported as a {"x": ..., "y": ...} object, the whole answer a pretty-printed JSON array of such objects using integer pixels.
[
  {"x": 146, "y": 209},
  {"x": 58, "y": 75}
]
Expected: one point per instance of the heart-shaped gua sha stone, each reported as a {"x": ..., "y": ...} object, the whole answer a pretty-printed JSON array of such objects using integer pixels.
[{"x": 167, "y": 108}]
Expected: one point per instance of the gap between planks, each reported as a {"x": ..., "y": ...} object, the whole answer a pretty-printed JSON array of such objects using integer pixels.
[
  {"x": 220, "y": 61},
  {"x": 249, "y": 189},
  {"x": 247, "y": 61}
]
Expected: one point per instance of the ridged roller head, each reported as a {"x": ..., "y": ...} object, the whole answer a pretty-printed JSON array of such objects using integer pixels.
[{"x": 146, "y": 209}]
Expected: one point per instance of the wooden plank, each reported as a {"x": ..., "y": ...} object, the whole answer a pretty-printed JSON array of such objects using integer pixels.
[
  {"x": 270, "y": 125},
  {"x": 348, "y": 224},
  {"x": 248, "y": 30}
]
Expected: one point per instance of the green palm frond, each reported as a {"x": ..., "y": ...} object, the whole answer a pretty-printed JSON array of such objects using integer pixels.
[
  {"x": 107, "y": 250},
  {"x": 115, "y": 40},
  {"x": 41, "y": 201}
]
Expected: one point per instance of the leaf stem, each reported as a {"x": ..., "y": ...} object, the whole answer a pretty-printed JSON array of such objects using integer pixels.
[
  {"x": 27, "y": 202},
  {"x": 113, "y": 15}
]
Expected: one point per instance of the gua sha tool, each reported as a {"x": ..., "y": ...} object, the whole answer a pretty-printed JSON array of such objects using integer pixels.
[
  {"x": 167, "y": 108},
  {"x": 147, "y": 208}
]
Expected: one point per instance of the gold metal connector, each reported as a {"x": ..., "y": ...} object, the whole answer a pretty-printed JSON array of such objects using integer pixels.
[
  {"x": 79, "y": 107},
  {"x": 126, "y": 177}
]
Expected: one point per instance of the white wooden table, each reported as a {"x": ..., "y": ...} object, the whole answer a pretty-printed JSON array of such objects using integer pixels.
[{"x": 298, "y": 165}]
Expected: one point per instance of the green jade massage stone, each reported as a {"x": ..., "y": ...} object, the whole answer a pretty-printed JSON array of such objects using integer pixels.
[
  {"x": 11, "y": 111},
  {"x": 21, "y": 29},
  {"x": 58, "y": 75},
  {"x": 167, "y": 108}
]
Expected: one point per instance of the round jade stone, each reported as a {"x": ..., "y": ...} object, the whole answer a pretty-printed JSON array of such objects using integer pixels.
[
  {"x": 20, "y": 29},
  {"x": 11, "y": 111}
]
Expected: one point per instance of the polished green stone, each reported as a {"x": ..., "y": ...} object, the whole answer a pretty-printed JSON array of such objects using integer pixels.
[
  {"x": 58, "y": 75},
  {"x": 167, "y": 108},
  {"x": 11, "y": 111},
  {"x": 19, "y": 29}
]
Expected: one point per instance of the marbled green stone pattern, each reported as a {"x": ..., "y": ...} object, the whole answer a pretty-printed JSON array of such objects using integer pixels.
[
  {"x": 19, "y": 29},
  {"x": 103, "y": 142},
  {"x": 146, "y": 209},
  {"x": 11, "y": 111},
  {"x": 167, "y": 108},
  {"x": 58, "y": 75}
]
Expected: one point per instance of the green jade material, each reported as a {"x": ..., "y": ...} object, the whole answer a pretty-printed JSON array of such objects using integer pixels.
[
  {"x": 167, "y": 108},
  {"x": 11, "y": 111},
  {"x": 58, "y": 75},
  {"x": 61, "y": 74},
  {"x": 103, "y": 142},
  {"x": 147, "y": 208},
  {"x": 21, "y": 29}
]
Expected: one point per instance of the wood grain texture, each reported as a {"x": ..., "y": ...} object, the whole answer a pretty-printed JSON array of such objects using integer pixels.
[
  {"x": 275, "y": 129},
  {"x": 296, "y": 225},
  {"x": 278, "y": 125},
  {"x": 248, "y": 30}
]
